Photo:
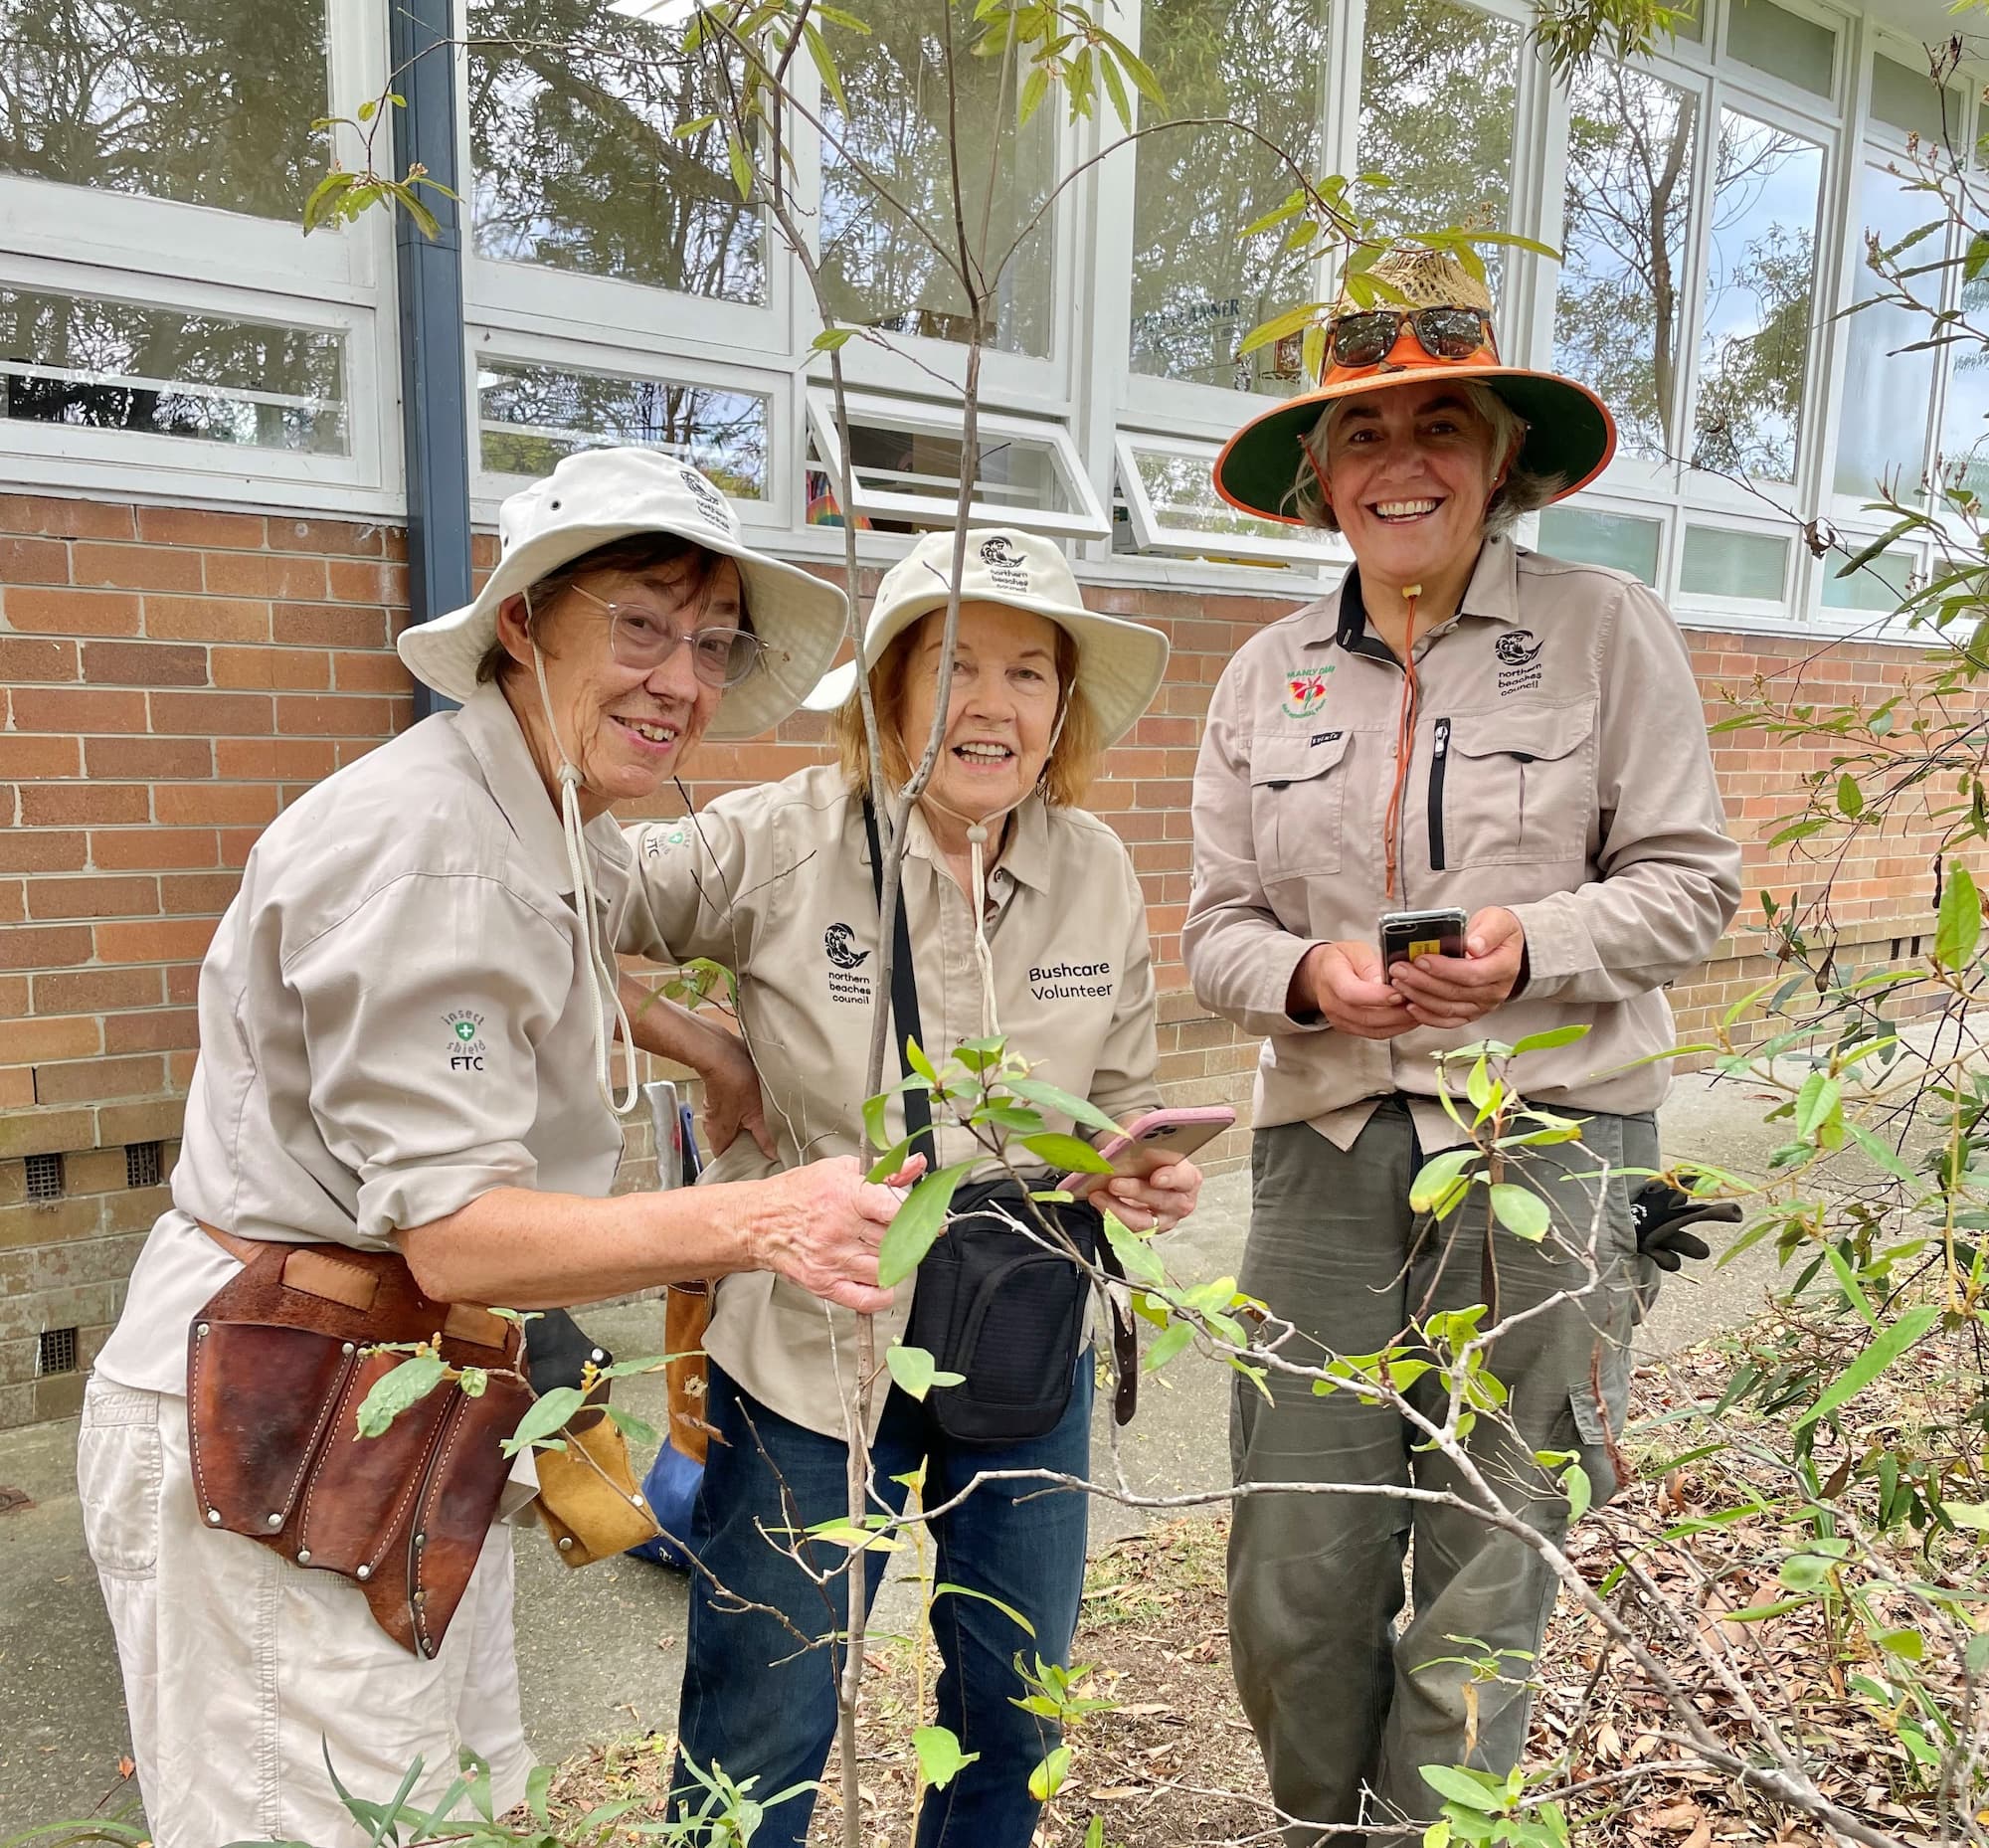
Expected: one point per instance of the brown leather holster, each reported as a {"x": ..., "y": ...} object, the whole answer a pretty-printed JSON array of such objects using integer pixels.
[{"x": 277, "y": 1369}]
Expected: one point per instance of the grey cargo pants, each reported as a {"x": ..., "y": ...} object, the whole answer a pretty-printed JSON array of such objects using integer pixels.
[{"x": 1347, "y": 1709}]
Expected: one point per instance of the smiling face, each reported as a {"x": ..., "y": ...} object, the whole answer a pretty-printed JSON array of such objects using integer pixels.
[
  {"x": 626, "y": 729},
  {"x": 1002, "y": 711},
  {"x": 1408, "y": 472}
]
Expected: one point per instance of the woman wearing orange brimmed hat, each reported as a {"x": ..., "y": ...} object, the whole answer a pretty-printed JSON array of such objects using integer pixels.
[{"x": 1463, "y": 728}]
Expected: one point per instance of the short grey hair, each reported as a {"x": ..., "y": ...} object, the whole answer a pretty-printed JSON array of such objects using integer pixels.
[{"x": 1523, "y": 491}]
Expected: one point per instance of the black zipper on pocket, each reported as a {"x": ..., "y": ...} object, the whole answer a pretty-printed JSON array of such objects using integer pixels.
[{"x": 1439, "y": 758}]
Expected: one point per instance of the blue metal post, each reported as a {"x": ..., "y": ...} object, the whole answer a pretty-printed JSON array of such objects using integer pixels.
[{"x": 435, "y": 410}]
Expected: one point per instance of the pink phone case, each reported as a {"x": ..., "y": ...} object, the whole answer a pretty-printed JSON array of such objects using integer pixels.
[{"x": 1176, "y": 1132}]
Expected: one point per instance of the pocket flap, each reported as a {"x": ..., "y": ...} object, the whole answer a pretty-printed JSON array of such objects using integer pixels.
[
  {"x": 1522, "y": 731},
  {"x": 1282, "y": 757}
]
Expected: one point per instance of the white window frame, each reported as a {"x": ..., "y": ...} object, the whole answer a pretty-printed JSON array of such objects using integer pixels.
[
  {"x": 1088, "y": 520},
  {"x": 1325, "y": 552}
]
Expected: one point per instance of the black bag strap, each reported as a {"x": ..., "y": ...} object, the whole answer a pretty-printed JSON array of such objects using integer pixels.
[{"x": 904, "y": 997}]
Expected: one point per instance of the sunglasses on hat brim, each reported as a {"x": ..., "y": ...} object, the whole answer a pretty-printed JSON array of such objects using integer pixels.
[{"x": 1368, "y": 337}]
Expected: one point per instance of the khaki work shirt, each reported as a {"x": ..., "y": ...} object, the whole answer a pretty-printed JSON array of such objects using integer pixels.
[
  {"x": 775, "y": 884},
  {"x": 395, "y": 1018},
  {"x": 1559, "y": 768}
]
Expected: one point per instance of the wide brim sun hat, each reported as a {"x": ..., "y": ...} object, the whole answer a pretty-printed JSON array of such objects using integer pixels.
[
  {"x": 1120, "y": 664},
  {"x": 1569, "y": 432},
  {"x": 597, "y": 497}
]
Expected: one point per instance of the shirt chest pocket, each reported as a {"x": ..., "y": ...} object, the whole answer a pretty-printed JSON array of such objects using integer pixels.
[
  {"x": 1514, "y": 787},
  {"x": 1298, "y": 795}
]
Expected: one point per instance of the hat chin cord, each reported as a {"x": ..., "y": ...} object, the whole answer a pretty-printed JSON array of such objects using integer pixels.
[{"x": 581, "y": 866}]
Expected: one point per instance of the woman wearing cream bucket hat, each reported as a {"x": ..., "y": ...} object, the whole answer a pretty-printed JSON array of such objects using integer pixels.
[
  {"x": 1019, "y": 906},
  {"x": 400, "y": 1100}
]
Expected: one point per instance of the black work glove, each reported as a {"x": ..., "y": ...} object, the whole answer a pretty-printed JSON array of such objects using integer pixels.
[{"x": 1661, "y": 1213}]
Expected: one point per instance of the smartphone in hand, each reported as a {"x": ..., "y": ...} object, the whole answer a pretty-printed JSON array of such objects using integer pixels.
[
  {"x": 1406, "y": 935},
  {"x": 1157, "y": 1140}
]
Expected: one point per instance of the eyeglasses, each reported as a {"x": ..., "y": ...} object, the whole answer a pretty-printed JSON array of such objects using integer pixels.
[
  {"x": 1368, "y": 338},
  {"x": 641, "y": 639}
]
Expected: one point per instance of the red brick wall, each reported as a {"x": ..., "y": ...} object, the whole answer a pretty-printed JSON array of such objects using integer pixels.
[{"x": 169, "y": 678}]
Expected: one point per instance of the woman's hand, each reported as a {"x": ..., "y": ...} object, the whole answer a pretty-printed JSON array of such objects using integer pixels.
[
  {"x": 732, "y": 1099},
  {"x": 819, "y": 1226},
  {"x": 1155, "y": 1203},
  {"x": 1454, "y": 991},
  {"x": 1342, "y": 984}
]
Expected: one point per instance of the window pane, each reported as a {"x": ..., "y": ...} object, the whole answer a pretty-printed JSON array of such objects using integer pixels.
[
  {"x": 1881, "y": 435},
  {"x": 1721, "y": 563},
  {"x": 1183, "y": 494},
  {"x": 1197, "y": 286},
  {"x": 1760, "y": 272},
  {"x": 205, "y": 101},
  {"x": 575, "y": 166},
  {"x": 1964, "y": 417},
  {"x": 1906, "y": 98},
  {"x": 878, "y": 271},
  {"x": 1586, "y": 537},
  {"x": 107, "y": 365},
  {"x": 1878, "y": 584},
  {"x": 1436, "y": 115},
  {"x": 1625, "y": 248},
  {"x": 904, "y": 456},
  {"x": 1771, "y": 38},
  {"x": 532, "y": 416}
]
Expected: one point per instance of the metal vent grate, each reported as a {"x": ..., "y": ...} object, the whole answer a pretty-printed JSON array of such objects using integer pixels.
[
  {"x": 58, "y": 1351},
  {"x": 45, "y": 1177},
  {"x": 141, "y": 1163}
]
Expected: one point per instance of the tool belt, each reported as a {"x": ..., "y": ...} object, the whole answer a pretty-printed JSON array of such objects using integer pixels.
[{"x": 277, "y": 1369}]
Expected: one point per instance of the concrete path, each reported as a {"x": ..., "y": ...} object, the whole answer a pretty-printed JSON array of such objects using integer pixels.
[{"x": 601, "y": 1648}]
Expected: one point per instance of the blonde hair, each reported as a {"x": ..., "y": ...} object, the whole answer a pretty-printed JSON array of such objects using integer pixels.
[{"x": 1073, "y": 759}]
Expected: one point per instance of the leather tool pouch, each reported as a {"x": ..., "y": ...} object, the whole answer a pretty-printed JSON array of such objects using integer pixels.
[{"x": 277, "y": 1369}]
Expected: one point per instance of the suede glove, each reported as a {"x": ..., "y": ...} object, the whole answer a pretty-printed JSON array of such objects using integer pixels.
[{"x": 1661, "y": 1213}]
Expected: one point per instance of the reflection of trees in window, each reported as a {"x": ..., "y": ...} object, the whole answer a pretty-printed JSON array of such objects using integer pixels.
[
  {"x": 1760, "y": 272},
  {"x": 878, "y": 272},
  {"x": 205, "y": 101},
  {"x": 1197, "y": 287},
  {"x": 532, "y": 416},
  {"x": 107, "y": 365},
  {"x": 575, "y": 166},
  {"x": 1436, "y": 114},
  {"x": 1625, "y": 248}
]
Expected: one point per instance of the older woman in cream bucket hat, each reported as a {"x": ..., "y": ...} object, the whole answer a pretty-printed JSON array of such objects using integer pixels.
[{"x": 403, "y": 1096}]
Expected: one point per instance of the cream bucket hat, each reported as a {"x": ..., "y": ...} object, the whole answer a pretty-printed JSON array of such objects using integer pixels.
[
  {"x": 1120, "y": 664},
  {"x": 599, "y": 495}
]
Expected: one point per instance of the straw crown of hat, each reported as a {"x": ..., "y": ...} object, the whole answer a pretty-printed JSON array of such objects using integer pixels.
[{"x": 1422, "y": 279}]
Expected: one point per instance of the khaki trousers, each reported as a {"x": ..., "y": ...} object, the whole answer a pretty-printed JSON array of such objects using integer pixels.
[
  {"x": 241, "y": 1670},
  {"x": 1348, "y": 1705}
]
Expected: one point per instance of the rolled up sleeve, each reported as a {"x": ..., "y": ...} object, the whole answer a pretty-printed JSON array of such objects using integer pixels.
[
  {"x": 1670, "y": 874},
  {"x": 423, "y": 1010}
]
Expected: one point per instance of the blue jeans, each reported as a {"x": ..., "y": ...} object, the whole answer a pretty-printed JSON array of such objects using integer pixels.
[{"x": 760, "y": 1703}]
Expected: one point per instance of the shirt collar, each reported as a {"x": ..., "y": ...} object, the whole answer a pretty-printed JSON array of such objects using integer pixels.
[
  {"x": 1492, "y": 593},
  {"x": 1025, "y": 859}
]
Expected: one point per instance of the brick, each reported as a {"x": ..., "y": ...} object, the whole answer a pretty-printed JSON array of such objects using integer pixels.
[
  {"x": 155, "y": 1030},
  {"x": 212, "y": 714},
  {"x": 33, "y": 561},
  {"x": 206, "y": 619},
  {"x": 332, "y": 536},
  {"x": 156, "y": 940},
  {"x": 72, "y": 805},
  {"x": 271, "y": 667},
  {"x": 25, "y": 657},
  {"x": 97, "y": 991},
  {"x": 353, "y": 581},
  {"x": 180, "y": 805},
  {"x": 13, "y": 1187},
  {"x": 13, "y": 901},
  {"x": 49, "y": 1132},
  {"x": 17, "y": 1086},
  {"x": 94, "y": 898},
  {"x": 27, "y": 759},
  {"x": 201, "y": 894},
  {"x": 370, "y": 672},
  {"x": 328, "y": 626},
  {"x": 153, "y": 1122},
  {"x": 268, "y": 574},
  {"x": 140, "y": 849},
  {"x": 148, "y": 756},
  {"x": 78, "y": 709},
  {"x": 194, "y": 526},
  {"x": 25, "y": 849},
  {"x": 95, "y": 1171},
  {"x": 144, "y": 663},
  {"x": 54, "y": 517},
  {"x": 72, "y": 613},
  {"x": 276, "y": 759},
  {"x": 335, "y": 716},
  {"x": 27, "y": 946},
  {"x": 136, "y": 567},
  {"x": 50, "y": 1221},
  {"x": 58, "y": 1396}
]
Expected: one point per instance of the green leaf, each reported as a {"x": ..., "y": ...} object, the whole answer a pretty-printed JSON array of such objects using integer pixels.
[
  {"x": 1035, "y": 88},
  {"x": 1070, "y": 1152},
  {"x": 1276, "y": 216},
  {"x": 1047, "y": 1779},
  {"x": 825, "y": 64},
  {"x": 1579, "y": 1490},
  {"x": 1820, "y": 1096},
  {"x": 940, "y": 1756},
  {"x": 1007, "y": 1610},
  {"x": 1478, "y": 1085},
  {"x": 1974, "y": 1516},
  {"x": 324, "y": 198},
  {"x": 1877, "y": 1357},
  {"x": 1959, "y": 924},
  {"x": 1048, "y": 1097},
  {"x": 686, "y": 131},
  {"x": 1885, "y": 1157},
  {"x": 1907, "y": 1645},
  {"x": 1850, "y": 797},
  {"x": 1268, "y": 333},
  {"x": 912, "y": 1367},
  {"x": 742, "y": 168},
  {"x": 1170, "y": 1340},
  {"x": 915, "y": 1058},
  {"x": 1546, "y": 1042},
  {"x": 395, "y": 1390},
  {"x": 637, "y": 1430},
  {"x": 1470, "y": 1788},
  {"x": 919, "y": 1221},
  {"x": 1136, "y": 1258},
  {"x": 547, "y": 1415},
  {"x": 1439, "y": 1176},
  {"x": 1521, "y": 1210},
  {"x": 831, "y": 340},
  {"x": 538, "y": 1787},
  {"x": 475, "y": 1381},
  {"x": 1115, "y": 88}
]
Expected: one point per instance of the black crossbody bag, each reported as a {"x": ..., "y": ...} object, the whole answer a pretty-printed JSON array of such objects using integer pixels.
[{"x": 994, "y": 1304}]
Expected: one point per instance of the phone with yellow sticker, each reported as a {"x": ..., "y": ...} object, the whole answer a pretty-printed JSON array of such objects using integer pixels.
[{"x": 1406, "y": 935}]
